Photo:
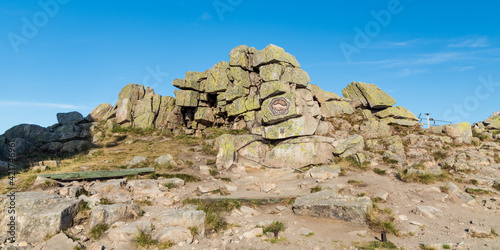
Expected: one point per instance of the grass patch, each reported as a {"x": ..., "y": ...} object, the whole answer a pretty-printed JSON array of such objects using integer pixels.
[
  {"x": 350, "y": 162},
  {"x": 142, "y": 203},
  {"x": 166, "y": 245},
  {"x": 389, "y": 161},
  {"x": 316, "y": 189},
  {"x": 170, "y": 185},
  {"x": 194, "y": 230},
  {"x": 184, "y": 177},
  {"x": 439, "y": 155},
  {"x": 226, "y": 179},
  {"x": 310, "y": 234},
  {"x": 373, "y": 245},
  {"x": 477, "y": 191},
  {"x": 213, "y": 172},
  {"x": 82, "y": 192},
  {"x": 145, "y": 239},
  {"x": 381, "y": 219},
  {"x": 276, "y": 240},
  {"x": 83, "y": 206},
  {"x": 473, "y": 181},
  {"x": 419, "y": 165},
  {"x": 496, "y": 186},
  {"x": 481, "y": 136},
  {"x": 274, "y": 228},
  {"x": 444, "y": 189},
  {"x": 379, "y": 171},
  {"x": 214, "y": 220},
  {"x": 98, "y": 230},
  {"x": 424, "y": 178},
  {"x": 209, "y": 150},
  {"x": 210, "y": 161},
  {"x": 106, "y": 201},
  {"x": 446, "y": 246}
]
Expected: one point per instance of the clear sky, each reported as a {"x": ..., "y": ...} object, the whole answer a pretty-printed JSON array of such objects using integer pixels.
[{"x": 440, "y": 57}]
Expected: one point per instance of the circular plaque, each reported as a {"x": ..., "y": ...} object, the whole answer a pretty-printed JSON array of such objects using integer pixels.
[{"x": 279, "y": 106}]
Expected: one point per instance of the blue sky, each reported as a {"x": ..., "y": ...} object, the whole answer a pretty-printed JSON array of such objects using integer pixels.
[{"x": 440, "y": 57}]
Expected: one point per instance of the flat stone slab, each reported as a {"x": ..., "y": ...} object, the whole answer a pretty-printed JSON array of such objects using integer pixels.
[
  {"x": 38, "y": 214},
  {"x": 329, "y": 204}
]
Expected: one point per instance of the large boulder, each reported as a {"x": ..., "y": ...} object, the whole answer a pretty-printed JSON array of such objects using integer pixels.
[
  {"x": 185, "y": 218},
  {"x": 328, "y": 204},
  {"x": 271, "y": 72},
  {"x": 241, "y": 56},
  {"x": 69, "y": 118},
  {"x": 300, "y": 152},
  {"x": 349, "y": 146},
  {"x": 144, "y": 120},
  {"x": 336, "y": 109},
  {"x": 323, "y": 96},
  {"x": 240, "y": 77},
  {"x": 228, "y": 145},
  {"x": 133, "y": 92},
  {"x": 461, "y": 132},
  {"x": 109, "y": 214},
  {"x": 274, "y": 54},
  {"x": 297, "y": 76},
  {"x": 294, "y": 127},
  {"x": 218, "y": 79},
  {"x": 38, "y": 214},
  {"x": 99, "y": 112},
  {"x": 369, "y": 95},
  {"x": 273, "y": 88},
  {"x": 124, "y": 111},
  {"x": 186, "y": 98}
]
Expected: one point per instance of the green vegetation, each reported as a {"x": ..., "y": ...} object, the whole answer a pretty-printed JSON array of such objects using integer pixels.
[
  {"x": 477, "y": 191},
  {"x": 473, "y": 181},
  {"x": 389, "y": 161},
  {"x": 184, "y": 177},
  {"x": 274, "y": 228},
  {"x": 374, "y": 245},
  {"x": 214, "y": 220},
  {"x": 445, "y": 246},
  {"x": 166, "y": 245},
  {"x": 439, "y": 155},
  {"x": 276, "y": 240},
  {"x": 316, "y": 189},
  {"x": 496, "y": 186},
  {"x": 309, "y": 234},
  {"x": 78, "y": 247},
  {"x": 98, "y": 230},
  {"x": 83, "y": 206},
  {"x": 209, "y": 150},
  {"x": 226, "y": 179},
  {"x": 170, "y": 185},
  {"x": 424, "y": 178},
  {"x": 105, "y": 201},
  {"x": 144, "y": 239},
  {"x": 213, "y": 172},
  {"x": 142, "y": 203},
  {"x": 210, "y": 161},
  {"x": 194, "y": 230},
  {"x": 481, "y": 136},
  {"x": 82, "y": 192},
  {"x": 381, "y": 219},
  {"x": 379, "y": 171},
  {"x": 444, "y": 189}
]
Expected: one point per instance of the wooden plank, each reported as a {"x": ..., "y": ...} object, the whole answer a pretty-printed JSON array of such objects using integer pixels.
[{"x": 98, "y": 174}]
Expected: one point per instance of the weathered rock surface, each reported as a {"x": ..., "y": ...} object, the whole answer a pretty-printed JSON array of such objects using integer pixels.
[
  {"x": 39, "y": 214},
  {"x": 328, "y": 204},
  {"x": 109, "y": 214},
  {"x": 368, "y": 95}
]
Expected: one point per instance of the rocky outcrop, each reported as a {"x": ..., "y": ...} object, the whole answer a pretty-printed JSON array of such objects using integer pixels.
[{"x": 71, "y": 134}]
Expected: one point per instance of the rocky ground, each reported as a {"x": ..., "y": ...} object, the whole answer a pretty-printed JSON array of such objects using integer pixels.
[{"x": 459, "y": 209}]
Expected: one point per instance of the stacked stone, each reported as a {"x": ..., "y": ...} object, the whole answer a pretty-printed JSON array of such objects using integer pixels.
[
  {"x": 263, "y": 91},
  {"x": 377, "y": 105},
  {"x": 141, "y": 108}
]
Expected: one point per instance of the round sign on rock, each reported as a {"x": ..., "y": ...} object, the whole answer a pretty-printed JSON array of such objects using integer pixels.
[{"x": 279, "y": 106}]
